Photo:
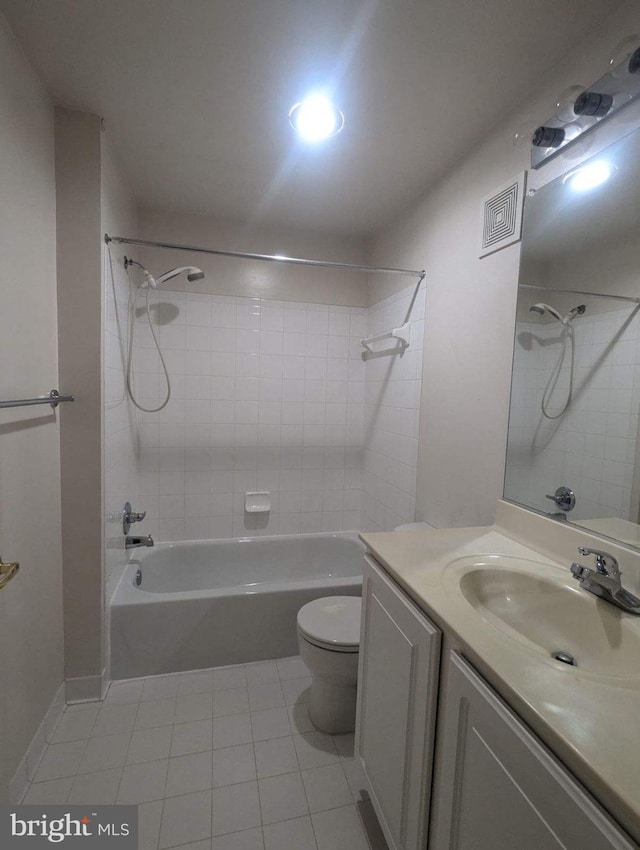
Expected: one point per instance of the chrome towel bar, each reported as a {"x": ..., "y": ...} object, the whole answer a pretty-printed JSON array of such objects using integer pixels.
[{"x": 54, "y": 398}]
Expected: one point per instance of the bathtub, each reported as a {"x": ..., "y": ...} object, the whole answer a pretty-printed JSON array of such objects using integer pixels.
[{"x": 215, "y": 602}]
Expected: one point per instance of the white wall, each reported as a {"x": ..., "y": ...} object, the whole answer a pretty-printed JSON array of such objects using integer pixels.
[
  {"x": 392, "y": 406},
  {"x": 31, "y": 641},
  {"x": 470, "y": 304},
  {"x": 118, "y": 214}
]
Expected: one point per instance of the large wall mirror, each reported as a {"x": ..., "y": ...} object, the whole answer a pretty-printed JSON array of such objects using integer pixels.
[{"x": 574, "y": 445}]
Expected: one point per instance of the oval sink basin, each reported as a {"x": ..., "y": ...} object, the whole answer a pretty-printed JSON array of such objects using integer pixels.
[{"x": 540, "y": 606}]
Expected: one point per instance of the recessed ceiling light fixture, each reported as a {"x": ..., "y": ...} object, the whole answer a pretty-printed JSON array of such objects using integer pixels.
[
  {"x": 315, "y": 118},
  {"x": 590, "y": 176}
]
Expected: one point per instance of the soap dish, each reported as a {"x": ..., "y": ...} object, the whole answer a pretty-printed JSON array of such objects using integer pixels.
[{"x": 257, "y": 502}]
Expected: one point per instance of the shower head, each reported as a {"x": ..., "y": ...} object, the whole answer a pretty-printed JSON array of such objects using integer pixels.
[
  {"x": 545, "y": 308},
  {"x": 192, "y": 272}
]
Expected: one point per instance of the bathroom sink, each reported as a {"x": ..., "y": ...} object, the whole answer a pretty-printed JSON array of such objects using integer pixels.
[{"x": 540, "y": 606}]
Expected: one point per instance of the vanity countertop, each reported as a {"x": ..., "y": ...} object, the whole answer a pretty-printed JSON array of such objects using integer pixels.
[{"x": 590, "y": 723}]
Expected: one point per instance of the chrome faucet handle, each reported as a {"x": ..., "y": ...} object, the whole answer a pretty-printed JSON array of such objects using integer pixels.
[
  {"x": 606, "y": 564},
  {"x": 129, "y": 516}
]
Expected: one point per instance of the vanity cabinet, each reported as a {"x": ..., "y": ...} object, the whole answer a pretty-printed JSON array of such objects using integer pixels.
[
  {"x": 499, "y": 788},
  {"x": 397, "y": 694},
  {"x": 495, "y": 785}
]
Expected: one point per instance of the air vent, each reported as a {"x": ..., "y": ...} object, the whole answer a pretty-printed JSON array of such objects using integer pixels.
[{"x": 502, "y": 216}]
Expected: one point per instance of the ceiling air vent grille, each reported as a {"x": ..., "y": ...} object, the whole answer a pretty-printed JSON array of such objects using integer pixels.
[{"x": 502, "y": 216}]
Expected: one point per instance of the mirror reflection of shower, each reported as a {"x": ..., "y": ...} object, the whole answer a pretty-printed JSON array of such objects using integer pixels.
[
  {"x": 568, "y": 340},
  {"x": 148, "y": 283}
]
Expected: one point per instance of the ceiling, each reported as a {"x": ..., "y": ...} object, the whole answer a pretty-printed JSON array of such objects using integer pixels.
[{"x": 196, "y": 93}]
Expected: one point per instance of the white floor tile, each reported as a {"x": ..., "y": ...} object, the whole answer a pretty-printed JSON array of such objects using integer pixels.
[
  {"x": 100, "y": 787},
  {"x": 196, "y": 845},
  {"x": 233, "y": 764},
  {"x": 235, "y": 808},
  {"x": 48, "y": 793},
  {"x": 230, "y": 701},
  {"x": 355, "y": 778},
  {"x": 339, "y": 829},
  {"x": 296, "y": 834},
  {"x": 75, "y": 723},
  {"x": 231, "y": 730},
  {"x": 105, "y": 752},
  {"x": 189, "y": 773},
  {"x": 296, "y": 690},
  {"x": 275, "y": 756},
  {"x": 60, "y": 760},
  {"x": 292, "y": 668},
  {"x": 124, "y": 693},
  {"x": 149, "y": 744},
  {"x": 149, "y": 817},
  {"x": 229, "y": 677},
  {"x": 265, "y": 696},
  {"x": 142, "y": 783},
  {"x": 194, "y": 707},
  {"x": 160, "y": 687},
  {"x": 198, "y": 682},
  {"x": 270, "y": 723},
  {"x": 248, "y": 839},
  {"x": 315, "y": 749},
  {"x": 195, "y": 737},
  {"x": 262, "y": 673},
  {"x": 282, "y": 798},
  {"x": 186, "y": 819},
  {"x": 326, "y": 787},
  {"x": 114, "y": 719},
  {"x": 159, "y": 712}
]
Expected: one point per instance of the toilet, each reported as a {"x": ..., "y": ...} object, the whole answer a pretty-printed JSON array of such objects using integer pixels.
[{"x": 329, "y": 643}]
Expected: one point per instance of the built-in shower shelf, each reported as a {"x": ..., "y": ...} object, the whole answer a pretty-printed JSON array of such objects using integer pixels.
[{"x": 402, "y": 334}]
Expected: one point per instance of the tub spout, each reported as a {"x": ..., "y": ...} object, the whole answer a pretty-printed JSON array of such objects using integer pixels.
[{"x": 132, "y": 542}]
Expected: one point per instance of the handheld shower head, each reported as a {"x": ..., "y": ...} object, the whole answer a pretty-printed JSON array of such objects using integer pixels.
[
  {"x": 192, "y": 272},
  {"x": 541, "y": 309}
]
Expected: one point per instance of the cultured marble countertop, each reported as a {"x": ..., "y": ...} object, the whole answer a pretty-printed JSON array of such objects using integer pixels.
[{"x": 592, "y": 726}]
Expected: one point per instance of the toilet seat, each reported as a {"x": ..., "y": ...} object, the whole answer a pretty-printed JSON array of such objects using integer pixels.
[{"x": 332, "y": 623}]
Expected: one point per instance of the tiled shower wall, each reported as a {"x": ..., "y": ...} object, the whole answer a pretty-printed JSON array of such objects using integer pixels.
[
  {"x": 265, "y": 395},
  {"x": 592, "y": 447},
  {"x": 392, "y": 404}
]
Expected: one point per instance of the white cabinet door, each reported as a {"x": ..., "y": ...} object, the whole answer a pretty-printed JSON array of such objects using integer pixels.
[
  {"x": 498, "y": 788},
  {"x": 397, "y": 690}
]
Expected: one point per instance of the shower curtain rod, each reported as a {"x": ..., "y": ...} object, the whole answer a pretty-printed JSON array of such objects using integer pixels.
[
  {"x": 270, "y": 258},
  {"x": 580, "y": 292}
]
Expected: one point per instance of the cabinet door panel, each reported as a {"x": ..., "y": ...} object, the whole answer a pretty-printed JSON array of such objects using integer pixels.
[
  {"x": 500, "y": 789},
  {"x": 399, "y": 655}
]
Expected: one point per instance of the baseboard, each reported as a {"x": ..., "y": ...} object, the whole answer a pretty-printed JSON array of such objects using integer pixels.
[
  {"x": 84, "y": 689},
  {"x": 31, "y": 759}
]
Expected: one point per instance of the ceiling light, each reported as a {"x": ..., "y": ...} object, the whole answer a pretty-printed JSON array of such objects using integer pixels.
[
  {"x": 589, "y": 176},
  {"x": 315, "y": 118}
]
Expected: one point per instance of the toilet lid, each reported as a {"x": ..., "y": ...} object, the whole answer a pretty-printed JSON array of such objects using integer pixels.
[{"x": 332, "y": 621}]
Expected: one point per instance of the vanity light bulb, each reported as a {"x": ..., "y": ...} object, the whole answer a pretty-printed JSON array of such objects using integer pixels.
[
  {"x": 566, "y": 101},
  {"x": 620, "y": 55}
]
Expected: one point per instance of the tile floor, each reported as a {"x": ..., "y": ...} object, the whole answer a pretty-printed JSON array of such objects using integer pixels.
[{"x": 222, "y": 759}]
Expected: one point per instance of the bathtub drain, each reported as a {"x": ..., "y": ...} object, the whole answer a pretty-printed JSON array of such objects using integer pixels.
[
  {"x": 138, "y": 578},
  {"x": 565, "y": 657}
]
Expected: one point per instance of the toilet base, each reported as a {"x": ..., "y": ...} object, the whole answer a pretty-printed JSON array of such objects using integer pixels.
[{"x": 332, "y": 708}]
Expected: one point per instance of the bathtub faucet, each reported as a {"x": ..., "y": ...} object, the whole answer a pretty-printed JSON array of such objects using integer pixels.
[{"x": 132, "y": 542}]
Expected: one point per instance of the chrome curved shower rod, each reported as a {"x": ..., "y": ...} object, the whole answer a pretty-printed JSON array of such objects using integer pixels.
[{"x": 270, "y": 258}]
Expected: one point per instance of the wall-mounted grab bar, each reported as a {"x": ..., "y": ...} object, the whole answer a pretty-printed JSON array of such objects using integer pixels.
[
  {"x": 54, "y": 398},
  {"x": 403, "y": 334}
]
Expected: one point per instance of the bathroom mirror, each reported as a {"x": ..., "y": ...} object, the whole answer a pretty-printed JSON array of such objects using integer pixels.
[{"x": 573, "y": 445}]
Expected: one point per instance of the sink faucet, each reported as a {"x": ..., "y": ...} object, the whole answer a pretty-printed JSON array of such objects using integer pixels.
[
  {"x": 132, "y": 542},
  {"x": 605, "y": 581}
]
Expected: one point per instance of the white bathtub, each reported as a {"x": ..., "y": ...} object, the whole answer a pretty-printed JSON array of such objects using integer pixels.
[{"x": 216, "y": 602}]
